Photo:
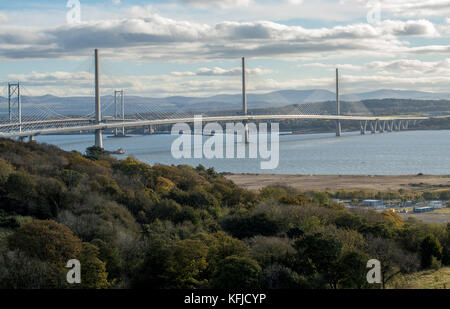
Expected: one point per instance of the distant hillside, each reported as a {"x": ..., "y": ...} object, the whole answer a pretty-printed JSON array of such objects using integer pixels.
[{"x": 84, "y": 105}]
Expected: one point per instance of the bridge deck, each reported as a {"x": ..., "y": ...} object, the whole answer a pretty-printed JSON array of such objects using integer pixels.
[{"x": 126, "y": 124}]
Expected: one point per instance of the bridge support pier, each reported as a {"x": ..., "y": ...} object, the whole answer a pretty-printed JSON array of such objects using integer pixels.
[
  {"x": 390, "y": 125},
  {"x": 382, "y": 126},
  {"x": 373, "y": 127},
  {"x": 338, "y": 128},
  {"x": 31, "y": 139},
  {"x": 149, "y": 130},
  {"x": 246, "y": 137},
  {"x": 99, "y": 138},
  {"x": 363, "y": 127}
]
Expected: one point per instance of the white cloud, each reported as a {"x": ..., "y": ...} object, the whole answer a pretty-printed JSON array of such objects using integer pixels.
[
  {"x": 220, "y": 3},
  {"x": 295, "y": 2},
  {"x": 154, "y": 37},
  {"x": 408, "y": 9},
  {"x": 3, "y": 17},
  {"x": 399, "y": 67},
  {"x": 412, "y": 66},
  {"x": 347, "y": 67},
  {"x": 216, "y": 71}
]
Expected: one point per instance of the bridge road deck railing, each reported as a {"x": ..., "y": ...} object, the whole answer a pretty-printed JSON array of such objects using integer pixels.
[{"x": 138, "y": 123}]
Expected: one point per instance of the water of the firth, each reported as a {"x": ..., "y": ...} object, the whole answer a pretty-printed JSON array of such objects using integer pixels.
[{"x": 398, "y": 153}]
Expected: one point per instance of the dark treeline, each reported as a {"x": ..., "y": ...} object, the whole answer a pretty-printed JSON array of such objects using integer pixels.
[{"x": 132, "y": 225}]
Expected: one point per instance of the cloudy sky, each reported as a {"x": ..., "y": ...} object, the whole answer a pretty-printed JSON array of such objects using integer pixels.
[{"x": 193, "y": 47}]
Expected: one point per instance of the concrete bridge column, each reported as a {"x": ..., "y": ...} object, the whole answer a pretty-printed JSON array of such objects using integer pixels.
[
  {"x": 399, "y": 125},
  {"x": 338, "y": 128},
  {"x": 383, "y": 126},
  {"x": 98, "y": 107},
  {"x": 373, "y": 127},
  {"x": 149, "y": 130},
  {"x": 31, "y": 138},
  {"x": 363, "y": 126}
]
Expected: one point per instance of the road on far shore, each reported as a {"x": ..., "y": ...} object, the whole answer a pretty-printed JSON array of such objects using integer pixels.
[{"x": 414, "y": 183}]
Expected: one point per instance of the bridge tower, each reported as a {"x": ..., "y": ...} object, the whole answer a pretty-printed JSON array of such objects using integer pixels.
[
  {"x": 15, "y": 99},
  {"x": 119, "y": 97},
  {"x": 244, "y": 100},
  {"x": 338, "y": 106},
  {"x": 98, "y": 106}
]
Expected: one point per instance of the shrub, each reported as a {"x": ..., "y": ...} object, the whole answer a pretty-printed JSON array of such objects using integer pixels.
[
  {"x": 234, "y": 272},
  {"x": 46, "y": 240}
]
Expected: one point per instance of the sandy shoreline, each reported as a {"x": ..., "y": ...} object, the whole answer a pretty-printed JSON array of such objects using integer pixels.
[{"x": 346, "y": 182}]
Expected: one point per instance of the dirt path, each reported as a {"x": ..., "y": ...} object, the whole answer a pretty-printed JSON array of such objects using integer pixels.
[{"x": 379, "y": 183}]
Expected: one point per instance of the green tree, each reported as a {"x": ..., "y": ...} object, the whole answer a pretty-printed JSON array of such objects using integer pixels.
[
  {"x": 317, "y": 253},
  {"x": 249, "y": 225},
  {"x": 280, "y": 277},
  {"x": 93, "y": 270},
  {"x": 20, "y": 186},
  {"x": 46, "y": 240},
  {"x": 112, "y": 258},
  {"x": 187, "y": 260},
  {"x": 237, "y": 272},
  {"x": 446, "y": 248},
  {"x": 351, "y": 270},
  {"x": 95, "y": 153},
  {"x": 394, "y": 260},
  {"x": 19, "y": 271},
  {"x": 429, "y": 248},
  {"x": 172, "y": 266},
  {"x": 5, "y": 170}
]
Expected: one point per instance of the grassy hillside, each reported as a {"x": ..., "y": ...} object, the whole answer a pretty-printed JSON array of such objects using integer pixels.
[{"x": 428, "y": 279}]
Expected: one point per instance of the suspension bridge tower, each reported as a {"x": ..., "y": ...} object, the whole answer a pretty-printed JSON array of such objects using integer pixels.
[
  {"x": 244, "y": 100},
  {"x": 98, "y": 106},
  {"x": 338, "y": 106},
  {"x": 14, "y": 100},
  {"x": 119, "y": 98}
]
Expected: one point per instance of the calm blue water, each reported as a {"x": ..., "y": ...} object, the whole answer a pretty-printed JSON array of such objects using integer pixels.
[{"x": 397, "y": 153}]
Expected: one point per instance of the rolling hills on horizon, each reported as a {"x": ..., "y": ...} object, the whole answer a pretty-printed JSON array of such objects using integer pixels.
[{"x": 84, "y": 104}]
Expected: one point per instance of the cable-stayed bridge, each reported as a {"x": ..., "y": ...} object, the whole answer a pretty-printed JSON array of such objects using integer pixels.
[{"x": 44, "y": 120}]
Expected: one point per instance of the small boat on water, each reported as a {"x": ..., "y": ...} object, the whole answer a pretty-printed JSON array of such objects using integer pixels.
[{"x": 119, "y": 151}]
